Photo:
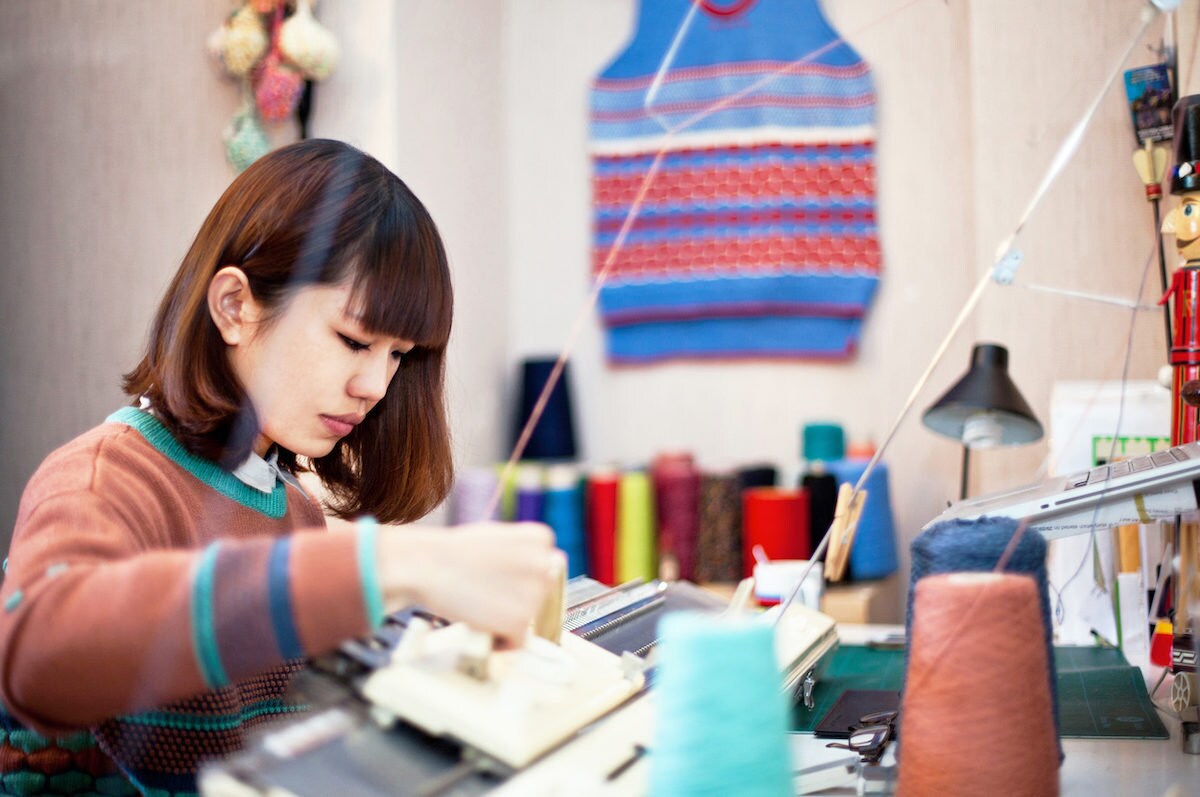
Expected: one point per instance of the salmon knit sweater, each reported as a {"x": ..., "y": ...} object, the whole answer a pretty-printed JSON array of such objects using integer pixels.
[{"x": 154, "y": 607}]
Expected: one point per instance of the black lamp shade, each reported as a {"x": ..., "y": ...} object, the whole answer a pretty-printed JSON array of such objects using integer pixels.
[{"x": 985, "y": 390}]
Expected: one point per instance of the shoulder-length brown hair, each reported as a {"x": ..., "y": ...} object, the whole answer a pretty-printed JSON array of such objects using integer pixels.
[{"x": 316, "y": 213}]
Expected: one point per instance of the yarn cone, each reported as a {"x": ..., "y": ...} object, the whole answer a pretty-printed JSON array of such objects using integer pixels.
[
  {"x": 637, "y": 546},
  {"x": 976, "y": 716},
  {"x": 722, "y": 714}
]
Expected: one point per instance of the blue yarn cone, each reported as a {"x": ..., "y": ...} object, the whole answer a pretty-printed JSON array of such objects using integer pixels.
[
  {"x": 562, "y": 510},
  {"x": 722, "y": 724},
  {"x": 873, "y": 554}
]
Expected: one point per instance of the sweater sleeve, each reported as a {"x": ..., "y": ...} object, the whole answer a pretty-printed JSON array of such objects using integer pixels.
[{"x": 93, "y": 626}]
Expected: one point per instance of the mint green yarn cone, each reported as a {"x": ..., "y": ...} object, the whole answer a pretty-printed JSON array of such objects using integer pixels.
[{"x": 722, "y": 725}]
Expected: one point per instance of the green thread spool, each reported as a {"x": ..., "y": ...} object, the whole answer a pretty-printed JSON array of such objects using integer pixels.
[
  {"x": 722, "y": 725},
  {"x": 508, "y": 494},
  {"x": 637, "y": 548}
]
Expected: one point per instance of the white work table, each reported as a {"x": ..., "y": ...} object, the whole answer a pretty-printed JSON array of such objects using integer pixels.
[{"x": 1092, "y": 767}]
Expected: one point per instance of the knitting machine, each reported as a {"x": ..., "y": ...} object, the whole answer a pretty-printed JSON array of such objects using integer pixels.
[{"x": 428, "y": 708}]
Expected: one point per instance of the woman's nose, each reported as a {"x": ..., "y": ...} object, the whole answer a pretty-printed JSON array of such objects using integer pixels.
[{"x": 371, "y": 381}]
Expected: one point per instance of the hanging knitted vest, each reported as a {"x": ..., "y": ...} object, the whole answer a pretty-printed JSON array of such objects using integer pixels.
[{"x": 756, "y": 237}]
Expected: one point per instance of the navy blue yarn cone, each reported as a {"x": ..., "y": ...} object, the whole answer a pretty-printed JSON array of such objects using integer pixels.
[{"x": 554, "y": 435}]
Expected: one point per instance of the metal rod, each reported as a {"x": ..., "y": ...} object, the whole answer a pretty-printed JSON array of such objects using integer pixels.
[
  {"x": 962, "y": 491},
  {"x": 1162, "y": 273}
]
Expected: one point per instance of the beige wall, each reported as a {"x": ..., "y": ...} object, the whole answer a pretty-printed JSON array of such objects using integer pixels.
[
  {"x": 110, "y": 153},
  {"x": 974, "y": 100}
]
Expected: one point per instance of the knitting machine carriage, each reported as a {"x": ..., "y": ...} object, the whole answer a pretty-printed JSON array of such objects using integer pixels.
[{"x": 427, "y": 708}]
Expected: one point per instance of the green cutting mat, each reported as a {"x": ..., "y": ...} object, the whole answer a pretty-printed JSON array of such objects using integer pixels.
[{"x": 1099, "y": 694}]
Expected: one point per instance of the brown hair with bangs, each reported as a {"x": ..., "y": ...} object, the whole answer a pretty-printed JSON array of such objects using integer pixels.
[{"x": 318, "y": 212}]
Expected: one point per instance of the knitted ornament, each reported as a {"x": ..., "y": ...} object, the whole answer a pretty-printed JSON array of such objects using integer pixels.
[
  {"x": 215, "y": 45},
  {"x": 245, "y": 42},
  {"x": 277, "y": 89},
  {"x": 245, "y": 141},
  {"x": 308, "y": 44},
  {"x": 272, "y": 54}
]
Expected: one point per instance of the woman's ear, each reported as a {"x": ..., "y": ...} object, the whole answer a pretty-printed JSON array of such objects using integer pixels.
[{"x": 232, "y": 305}]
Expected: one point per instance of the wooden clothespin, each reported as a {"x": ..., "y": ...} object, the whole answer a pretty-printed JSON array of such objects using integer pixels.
[{"x": 841, "y": 533}]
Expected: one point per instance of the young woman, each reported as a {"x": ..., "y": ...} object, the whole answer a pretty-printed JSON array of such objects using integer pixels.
[{"x": 168, "y": 572}]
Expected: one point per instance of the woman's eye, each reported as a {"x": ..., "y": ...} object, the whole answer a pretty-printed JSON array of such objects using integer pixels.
[
  {"x": 398, "y": 356},
  {"x": 353, "y": 344},
  {"x": 1189, "y": 210}
]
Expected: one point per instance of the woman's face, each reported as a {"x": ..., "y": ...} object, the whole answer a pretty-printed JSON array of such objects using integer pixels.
[{"x": 313, "y": 372}]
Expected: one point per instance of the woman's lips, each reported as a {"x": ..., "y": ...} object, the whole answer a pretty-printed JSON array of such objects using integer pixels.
[{"x": 341, "y": 425}]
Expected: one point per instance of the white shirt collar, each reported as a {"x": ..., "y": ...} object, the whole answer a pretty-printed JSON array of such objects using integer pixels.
[
  {"x": 259, "y": 473},
  {"x": 255, "y": 471}
]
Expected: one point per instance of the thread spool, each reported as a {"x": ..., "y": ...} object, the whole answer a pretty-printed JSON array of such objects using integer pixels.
[
  {"x": 977, "y": 545},
  {"x": 563, "y": 512},
  {"x": 821, "y": 444},
  {"x": 637, "y": 551},
  {"x": 822, "y": 489},
  {"x": 722, "y": 715},
  {"x": 508, "y": 492},
  {"x": 676, "y": 500},
  {"x": 977, "y": 715},
  {"x": 601, "y": 508},
  {"x": 554, "y": 435},
  {"x": 719, "y": 533},
  {"x": 760, "y": 475},
  {"x": 471, "y": 494},
  {"x": 874, "y": 552},
  {"x": 777, "y": 520},
  {"x": 529, "y": 504}
]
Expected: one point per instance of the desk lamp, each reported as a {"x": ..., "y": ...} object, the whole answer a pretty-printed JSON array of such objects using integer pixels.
[{"x": 984, "y": 409}]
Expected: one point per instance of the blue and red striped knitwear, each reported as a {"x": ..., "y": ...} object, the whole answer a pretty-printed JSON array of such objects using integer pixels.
[{"x": 756, "y": 237}]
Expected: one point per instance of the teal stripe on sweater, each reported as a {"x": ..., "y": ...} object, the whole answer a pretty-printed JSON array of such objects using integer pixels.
[
  {"x": 273, "y": 504},
  {"x": 204, "y": 633},
  {"x": 205, "y": 722},
  {"x": 368, "y": 572}
]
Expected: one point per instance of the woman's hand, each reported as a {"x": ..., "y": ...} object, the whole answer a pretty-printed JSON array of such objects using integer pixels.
[{"x": 492, "y": 576}]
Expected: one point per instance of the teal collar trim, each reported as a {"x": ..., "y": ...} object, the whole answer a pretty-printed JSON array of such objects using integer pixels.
[{"x": 272, "y": 504}]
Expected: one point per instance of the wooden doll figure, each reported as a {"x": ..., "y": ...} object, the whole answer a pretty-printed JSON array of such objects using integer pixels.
[{"x": 1184, "y": 223}]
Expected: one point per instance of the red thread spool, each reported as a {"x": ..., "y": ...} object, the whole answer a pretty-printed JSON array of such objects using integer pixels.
[
  {"x": 776, "y": 519},
  {"x": 677, "y": 504},
  {"x": 602, "y": 526}
]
